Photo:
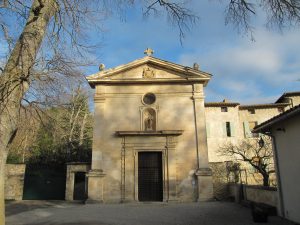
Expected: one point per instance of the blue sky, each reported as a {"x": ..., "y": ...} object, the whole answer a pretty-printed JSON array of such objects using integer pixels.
[{"x": 243, "y": 70}]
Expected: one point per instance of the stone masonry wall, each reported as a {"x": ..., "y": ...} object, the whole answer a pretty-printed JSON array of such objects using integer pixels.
[{"x": 14, "y": 181}]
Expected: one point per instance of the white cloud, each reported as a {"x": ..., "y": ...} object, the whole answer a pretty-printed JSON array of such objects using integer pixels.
[{"x": 251, "y": 71}]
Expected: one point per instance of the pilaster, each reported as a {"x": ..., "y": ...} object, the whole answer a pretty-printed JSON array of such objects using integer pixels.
[
  {"x": 203, "y": 172},
  {"x": 98, "y": 131}
]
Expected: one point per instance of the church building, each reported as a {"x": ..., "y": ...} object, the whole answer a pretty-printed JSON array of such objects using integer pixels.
[{"x": 149, "y": 140}]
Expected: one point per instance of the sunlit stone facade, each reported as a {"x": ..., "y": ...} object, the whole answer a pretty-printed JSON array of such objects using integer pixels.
[{"x": 149, "y": 141}]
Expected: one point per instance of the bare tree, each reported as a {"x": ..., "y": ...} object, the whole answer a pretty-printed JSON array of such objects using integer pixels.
[
  {"x": 60, "y": 21},
  {"x": 279, "y": 13},
  {"x": 257, "y": 154}
]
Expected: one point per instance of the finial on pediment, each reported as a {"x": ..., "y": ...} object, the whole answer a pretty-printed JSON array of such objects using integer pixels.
[
  {"x": 196, "y": 66},
  {"x": 149, "y": 52},
  {"x": 101, "y": 67}
]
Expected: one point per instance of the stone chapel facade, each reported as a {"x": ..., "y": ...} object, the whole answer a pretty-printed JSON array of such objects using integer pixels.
[{"x": 149, "y": 141}]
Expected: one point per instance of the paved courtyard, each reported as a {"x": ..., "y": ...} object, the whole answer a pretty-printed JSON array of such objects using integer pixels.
[{"x": 63, "y": 213}]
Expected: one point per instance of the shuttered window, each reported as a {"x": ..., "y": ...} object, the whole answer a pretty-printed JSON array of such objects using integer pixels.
[{"x": 228, "y": 129}]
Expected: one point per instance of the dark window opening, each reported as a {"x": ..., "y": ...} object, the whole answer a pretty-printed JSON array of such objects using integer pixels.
[
  {"x": 228, "y": 130},
  {"x": 251, "y": 111},
  {"x": 224, "y": 109},
  {"x": 149, "y": 98}
]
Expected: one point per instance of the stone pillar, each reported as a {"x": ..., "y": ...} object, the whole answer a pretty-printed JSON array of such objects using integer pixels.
[
  {"x": 96, "y": 175},
  {"x": 203, "y": 173},
  {"x": 69, "y": 184},
  {"x": 14, "y": 181},
  {"x": 95, "y": 186}
]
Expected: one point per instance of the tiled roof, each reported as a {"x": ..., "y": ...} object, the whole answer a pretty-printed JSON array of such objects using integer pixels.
[
  {"x": 255, "y": 106},
  {"x": 283, "y": 116},
  {"x": 269, "y": 105},
  {"x": 219, "y": 104}
]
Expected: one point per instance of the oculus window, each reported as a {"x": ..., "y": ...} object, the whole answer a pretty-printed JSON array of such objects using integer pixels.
[{"x": 149, "y": 99}]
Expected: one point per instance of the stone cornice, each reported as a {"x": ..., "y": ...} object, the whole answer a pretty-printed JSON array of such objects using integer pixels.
[
  {"x": 187, "y": 80},
  {"x": 187, "y": 74},
  {"x": 99, "y": 98},
  {"x": 150, "y": 133}
]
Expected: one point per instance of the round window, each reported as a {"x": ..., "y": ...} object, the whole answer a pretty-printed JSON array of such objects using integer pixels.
[{"x": 149, "y": 98}]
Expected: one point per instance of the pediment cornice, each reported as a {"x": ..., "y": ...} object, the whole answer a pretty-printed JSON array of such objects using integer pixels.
[{"x": 180, "y": 73}]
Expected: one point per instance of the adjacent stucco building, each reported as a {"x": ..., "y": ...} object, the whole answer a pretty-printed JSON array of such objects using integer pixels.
[{"x": 285, "y": 132}]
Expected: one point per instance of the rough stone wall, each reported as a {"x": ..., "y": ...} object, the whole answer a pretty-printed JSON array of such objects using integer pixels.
[
  {"x": 14, "y": 181},
  {"x": 220, "y": 180}
]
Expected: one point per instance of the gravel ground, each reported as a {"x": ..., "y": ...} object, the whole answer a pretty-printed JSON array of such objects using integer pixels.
[{"x": 64, "y": 213}]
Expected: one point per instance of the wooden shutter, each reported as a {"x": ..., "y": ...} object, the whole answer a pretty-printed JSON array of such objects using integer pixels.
[
  {"x": 208, "y": 129},
  {"x": 247, "y": 131},
  {"x": 232, "y": 129}
]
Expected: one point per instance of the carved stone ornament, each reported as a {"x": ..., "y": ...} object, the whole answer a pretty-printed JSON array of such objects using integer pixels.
[{"x": 148, "y": 73}]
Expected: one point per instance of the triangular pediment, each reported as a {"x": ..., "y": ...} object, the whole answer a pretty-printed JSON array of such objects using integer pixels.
[{"x": 148, "y": 69}]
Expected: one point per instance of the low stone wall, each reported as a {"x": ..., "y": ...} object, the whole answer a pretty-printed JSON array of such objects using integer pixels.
[
  {"x": 259, "y": 194},
  {"x": 14, "y": 181}
]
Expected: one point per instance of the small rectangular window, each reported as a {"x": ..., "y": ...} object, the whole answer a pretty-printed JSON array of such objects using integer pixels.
[
  {"x": 251, "y": 111},
  {"x": 228, "y": 129},
  {"x": 224, "y": 109}
]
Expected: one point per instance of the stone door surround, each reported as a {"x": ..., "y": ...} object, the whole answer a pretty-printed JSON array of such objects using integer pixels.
[{"x": 133, "y": 142}]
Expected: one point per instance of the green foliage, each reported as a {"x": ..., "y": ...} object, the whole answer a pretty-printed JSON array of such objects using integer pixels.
[
  {"x": 63, "y": 134},
  {"x": 13, "y": 158}
]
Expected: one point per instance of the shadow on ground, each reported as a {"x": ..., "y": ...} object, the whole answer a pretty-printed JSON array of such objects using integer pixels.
[
  {"x": 16, "y": 207},
  {"x": 78, "y": 223}
]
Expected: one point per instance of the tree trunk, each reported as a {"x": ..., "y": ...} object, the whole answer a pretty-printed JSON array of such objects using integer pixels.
[
  {"x": 82, "y": 128},
  {"x": 14, "y": 81},
  {"x": 3, "y": 157},
  {"x": 266, "y": 180}
]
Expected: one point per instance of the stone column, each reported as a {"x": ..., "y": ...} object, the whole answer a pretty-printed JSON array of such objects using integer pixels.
[
  {"x": 96, "y": 175},
  {"x": 203, "y": 172},
  {"x": 69, "y": 184}
]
